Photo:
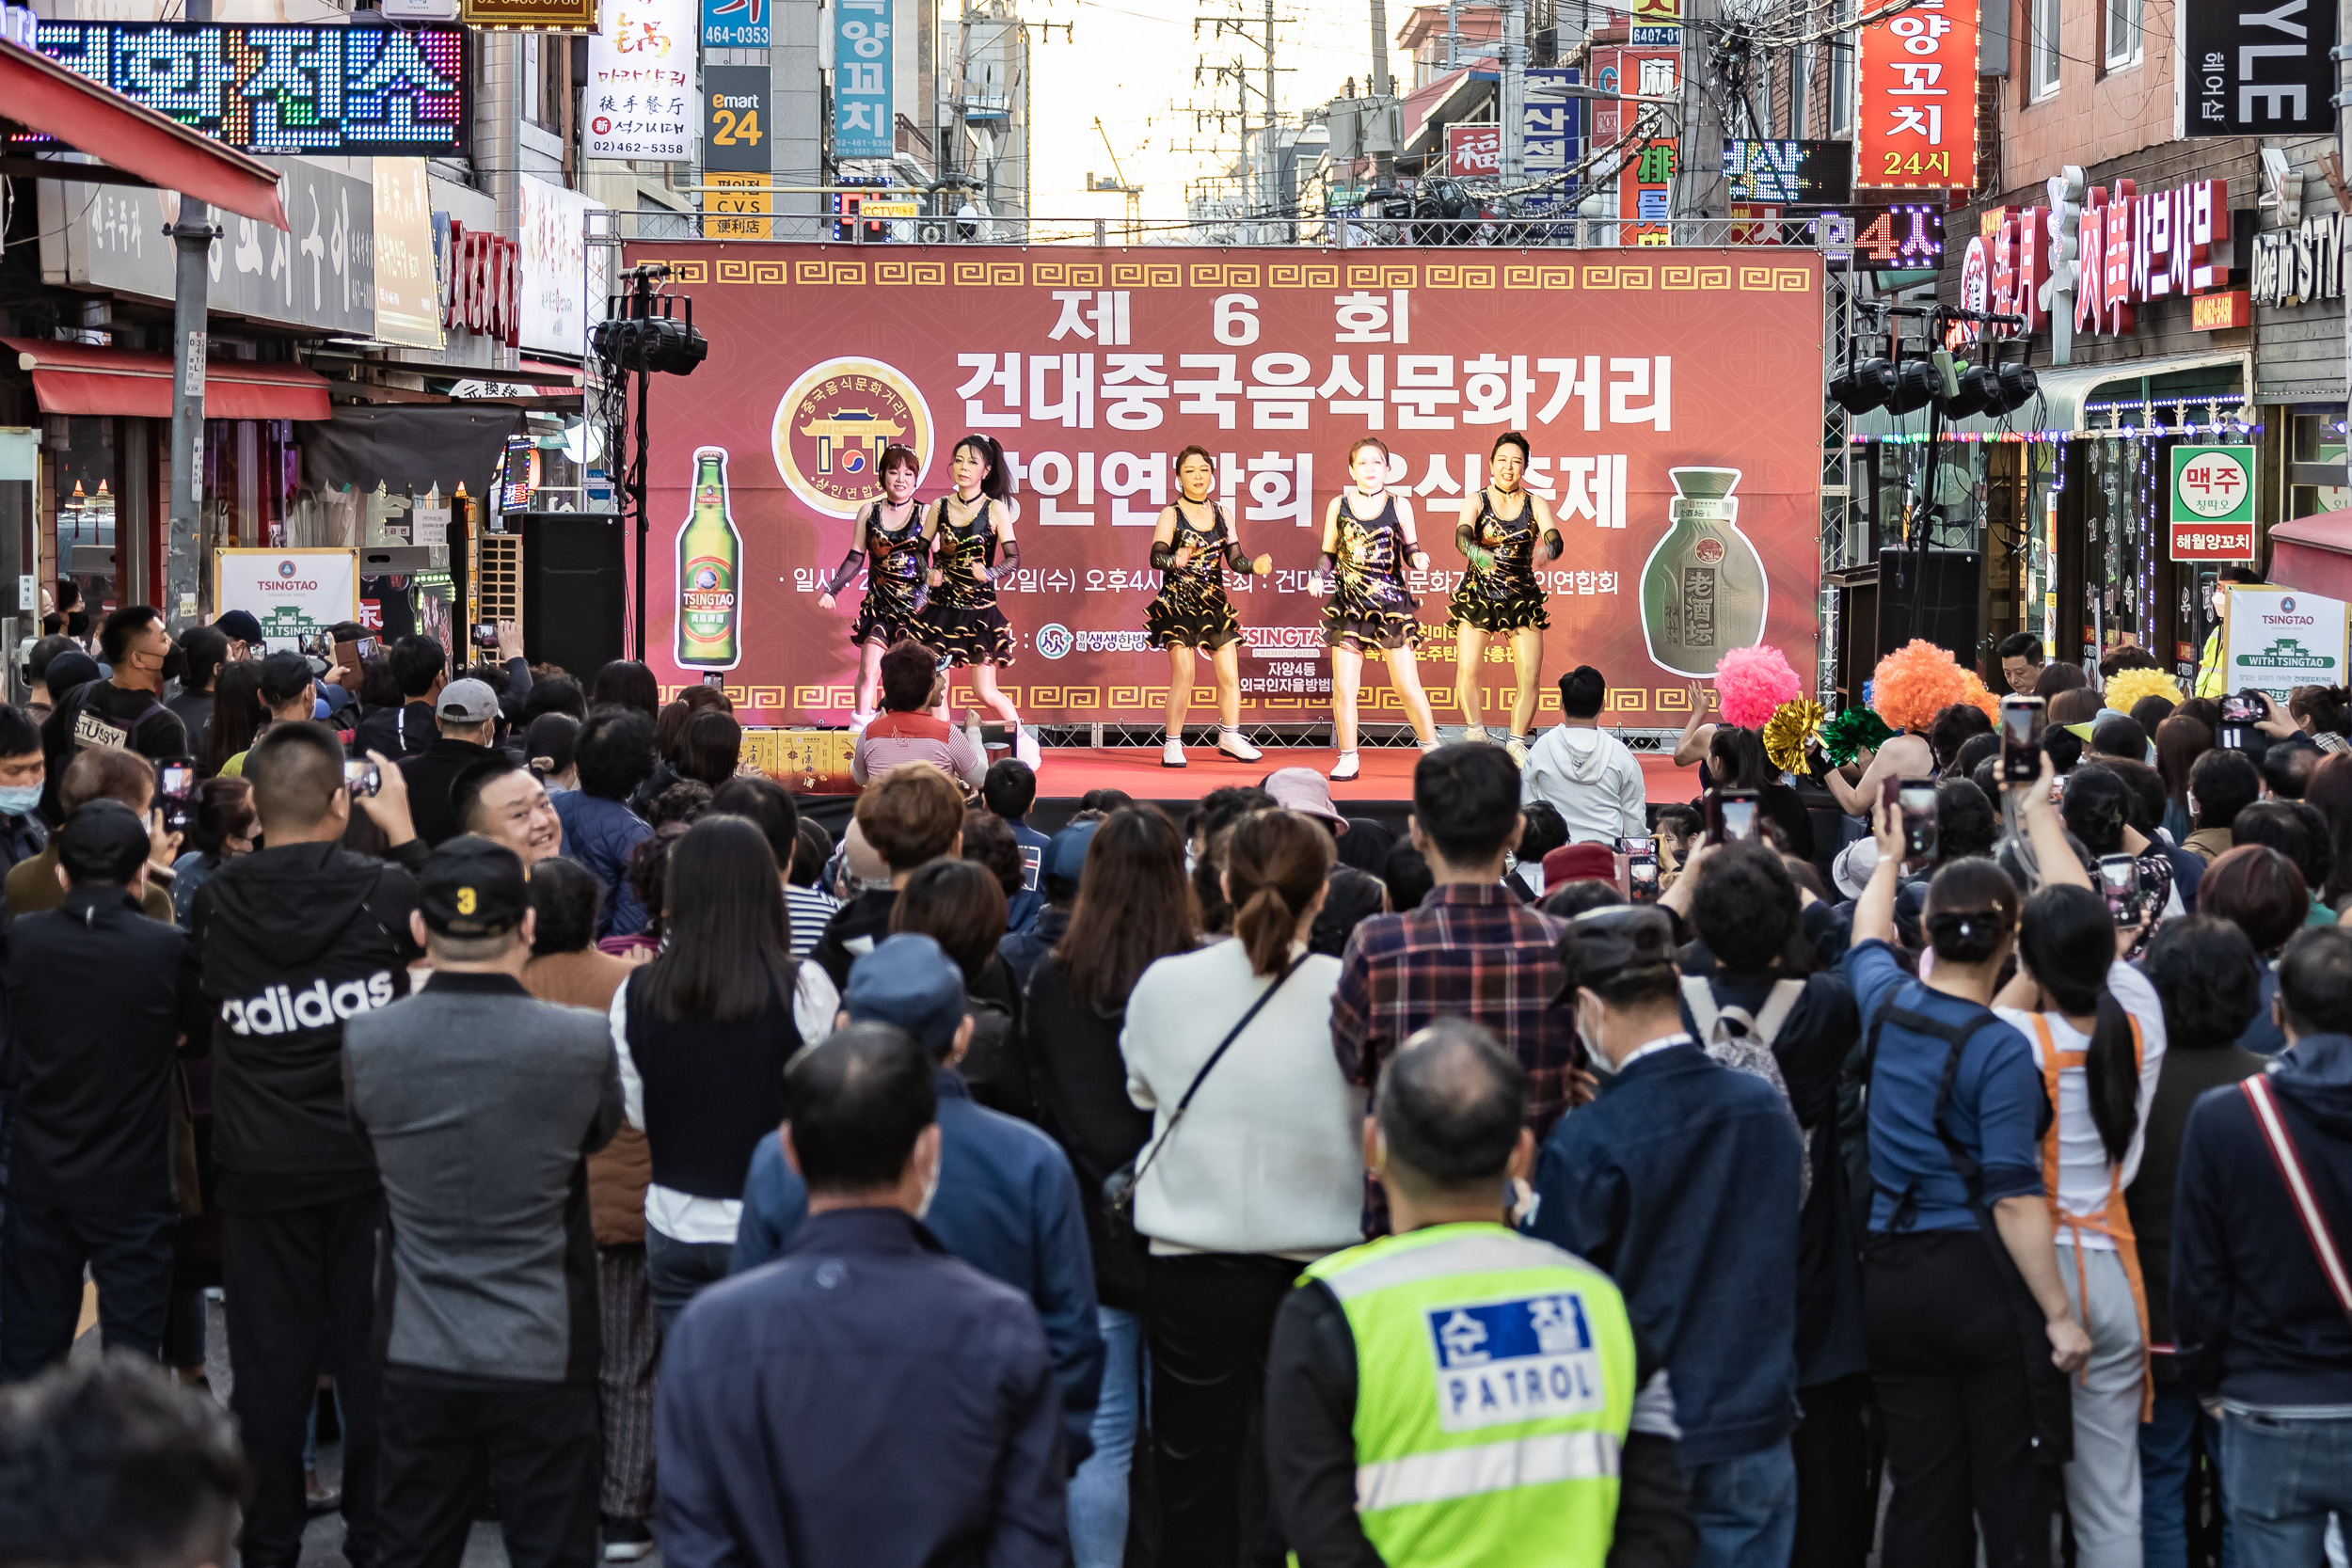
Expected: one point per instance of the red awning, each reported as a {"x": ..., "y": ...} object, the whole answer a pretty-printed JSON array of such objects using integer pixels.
[
  {"x": 41, "y": 95},
  {"x": 73, "y": 378},
  {"x": 2314, "y": 554}
]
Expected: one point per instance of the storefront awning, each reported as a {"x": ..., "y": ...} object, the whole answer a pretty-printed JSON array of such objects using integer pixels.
[
  {"x": 2314, "y": 554},
  {"x": 75, "y": 378},
  {"x": 41, "y": 95},
  {"x": 1429, "y": 110},
  {"x": 409, "y": 447}
]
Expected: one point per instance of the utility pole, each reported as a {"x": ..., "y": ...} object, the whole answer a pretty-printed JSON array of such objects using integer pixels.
[
  {"x": 1699, "y": 189},
  {"x": 1383, "y": 164},
  {"x": 1453, "y": 35},
  {"x": 185, "y": 581},
  {"x": 1512, "y": 50},
  {"x": 1266, "y": 137}
]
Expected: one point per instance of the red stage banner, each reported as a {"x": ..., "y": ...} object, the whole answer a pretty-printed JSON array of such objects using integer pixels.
[{"x": 1093, "y": 368}]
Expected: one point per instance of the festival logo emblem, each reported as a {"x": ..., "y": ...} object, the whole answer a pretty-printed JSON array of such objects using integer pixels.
[
  {"x": 832, "y": 423},
  {"x": 1054, "y": 639}
]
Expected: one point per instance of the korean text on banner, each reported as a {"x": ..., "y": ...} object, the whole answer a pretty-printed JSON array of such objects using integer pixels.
[
  {"x": 1550, "y": 126},
  {"x": 640, "y": 100},
  {"x": 2278, "y": 638},
  {"x": 734, "y": 23},
  {"x": 1094, "y": 367},
  {"x": 294, "y": 594},
  {"x": 863, "y": 119},
  {"x": 1917, "y": 128},
  {"x": 407, "y": 285},
  {"x": 564, "y": 282}
]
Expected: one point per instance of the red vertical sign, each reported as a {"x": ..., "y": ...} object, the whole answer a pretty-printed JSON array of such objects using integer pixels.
[{"x": 1918, "y": 125}]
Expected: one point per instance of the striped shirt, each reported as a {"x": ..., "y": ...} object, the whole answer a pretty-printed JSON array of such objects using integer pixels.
[{"x": 810, "y": 908}]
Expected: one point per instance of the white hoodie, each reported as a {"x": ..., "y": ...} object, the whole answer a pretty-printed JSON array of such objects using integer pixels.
[{"x": 1591, "y": 779}]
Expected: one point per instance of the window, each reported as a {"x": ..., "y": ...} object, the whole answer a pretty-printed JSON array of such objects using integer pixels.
[
  {"x": 1841, "y": 83},
  {"x": 2042, "y": 45},
  {"x": 2122, "y": 33}
]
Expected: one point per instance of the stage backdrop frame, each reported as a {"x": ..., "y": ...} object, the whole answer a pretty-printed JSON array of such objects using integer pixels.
[{"x": 1095, "y": 367}]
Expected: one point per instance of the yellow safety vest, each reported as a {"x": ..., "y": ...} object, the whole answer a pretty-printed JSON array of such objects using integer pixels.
[{"x": 1495, "y": 1387}]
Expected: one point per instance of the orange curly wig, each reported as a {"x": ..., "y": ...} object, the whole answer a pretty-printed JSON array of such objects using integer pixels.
[{"x": 1918, "y": 680}]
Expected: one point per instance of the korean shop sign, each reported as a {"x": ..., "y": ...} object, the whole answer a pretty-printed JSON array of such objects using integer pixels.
[
  {"x": 2099, "y": 258},
  {"x": 862, "y": 119},
  {"x": 2213, "y": 503},
  {"x": 2259, "y": 68},
  {"x": 1917, "y": 91}
]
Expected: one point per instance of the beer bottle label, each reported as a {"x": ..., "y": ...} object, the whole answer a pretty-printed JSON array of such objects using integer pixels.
[{"x": 706, "y": 606}]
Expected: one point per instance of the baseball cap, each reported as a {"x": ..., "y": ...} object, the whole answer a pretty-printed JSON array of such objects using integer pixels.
[
  {"x": 68, "y": 671},
  {"x": 1603, "y": 944},
  {"x": 472, "y": 887},
  {"x": 285, "y": 676},
  {"x": 908, "y": 980},
  {"x": 1066, "y": 852},
  {"x": 102, "y": 842},
  {"x": 240, "y": 624},
  {"x": 1303, "y": 790},
  {"x": 1580, "y": 863},
  {"x": 468, "y": 702}
]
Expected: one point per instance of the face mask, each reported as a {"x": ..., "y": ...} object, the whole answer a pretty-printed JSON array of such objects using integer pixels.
[
  {"x": 175, "y": 664},
  {"x": 18, "y": 800}
]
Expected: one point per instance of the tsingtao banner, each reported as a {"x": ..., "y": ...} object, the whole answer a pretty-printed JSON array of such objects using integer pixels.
[
  {"x": 295, "y": 594},
  {"x": 1095, "y": 368},
  {"x": 2277, "y": 639}
]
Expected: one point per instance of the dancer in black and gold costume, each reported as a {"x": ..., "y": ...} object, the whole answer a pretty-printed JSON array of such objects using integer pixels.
[
  {"x": 1364, "y": 561},
  {"x": 1194, "y": 545},
  {"x": 1500, "y": 595},
  {"x": 974, "y": 550},
  {"x": 893, "y": 543}
]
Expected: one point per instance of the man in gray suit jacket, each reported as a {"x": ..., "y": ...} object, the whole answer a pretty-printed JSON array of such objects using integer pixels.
[{"x": 482, "y": 1102}]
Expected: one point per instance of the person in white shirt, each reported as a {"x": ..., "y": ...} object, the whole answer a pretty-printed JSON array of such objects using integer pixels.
[
  {"x": 2096, "y": 1027},
  {"x": 1263, "y": 1173},
  {"x": 1588, "y": 777}
]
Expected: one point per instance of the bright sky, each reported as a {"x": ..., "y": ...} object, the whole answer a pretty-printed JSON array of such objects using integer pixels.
[{"x": 1131, "y": 61}]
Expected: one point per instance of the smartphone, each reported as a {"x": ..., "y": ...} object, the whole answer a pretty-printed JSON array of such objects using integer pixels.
[
  {"x": 2022, "y": 722},
  {"x": 362, "y": 777},
  {"x": 1640, "y": 875},
  {"x": 2119, "y": 880},
  {"x": 1916, "y": 800},
  {"x": 2241, "y": 710},
  {"x": 175, "y": 794},
  {"x": 1732, "y": 815},
  {"x": 1638, "y": 845},
  {"x": 485, "y": 634}
]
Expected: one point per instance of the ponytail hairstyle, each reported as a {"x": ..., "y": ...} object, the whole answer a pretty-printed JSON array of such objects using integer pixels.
[
  {"x": 2067, "y": 942},
  {"x": 1972, "y": 911},
  {"x": 993, "y": 484},
  {"x": 2327, "y": 707},
  {"x": 1276, "y": 861}
]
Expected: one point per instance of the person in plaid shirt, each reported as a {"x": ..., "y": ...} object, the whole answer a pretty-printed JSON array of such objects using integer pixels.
[{"x": 1472, "y": 950}]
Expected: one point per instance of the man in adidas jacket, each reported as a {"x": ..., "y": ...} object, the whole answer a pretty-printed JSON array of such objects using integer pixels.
[
  {"x": 2262, "y": 1304},
  {"x": 292, "y": 939}
]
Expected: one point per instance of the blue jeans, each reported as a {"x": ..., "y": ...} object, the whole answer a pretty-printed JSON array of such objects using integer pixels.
[
  {"x": 2281, "y": 1479},
  {"x": 1098, "y": 1493},
  {"x": 1746, "y": 1509},
  {"x": 2167, "y": 1446}
]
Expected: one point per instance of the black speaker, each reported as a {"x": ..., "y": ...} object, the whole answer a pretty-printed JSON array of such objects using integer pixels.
[
  {"x": 1930, "y": 594},
  {"x": 575, "y": 589}
]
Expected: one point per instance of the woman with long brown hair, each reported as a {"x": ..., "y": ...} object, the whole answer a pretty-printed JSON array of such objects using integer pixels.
[
  {"x": 1135, "y": 907},
  {"x": 1254, "y": 1168},
  {"x": 1193, "y": 547},
  {"x": 704, "y": 1032}
]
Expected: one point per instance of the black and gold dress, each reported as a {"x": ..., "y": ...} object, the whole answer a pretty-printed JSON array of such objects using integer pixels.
[
  {"x": 1369, "y": 605},
  {"x": 894, "y": 563},
  {"x": 962, "y": 621},
  {"x": 1191, "y": 610},
  {"x": 1504, "y": 595}
]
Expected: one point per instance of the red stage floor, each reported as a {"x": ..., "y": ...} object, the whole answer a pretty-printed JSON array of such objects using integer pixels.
[{"x": 1069, "y": 772}]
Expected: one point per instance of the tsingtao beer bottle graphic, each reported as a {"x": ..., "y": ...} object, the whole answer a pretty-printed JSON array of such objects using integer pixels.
[
  {"x": 1702, "y": 588},
  {"x": 710, "y": 572}
]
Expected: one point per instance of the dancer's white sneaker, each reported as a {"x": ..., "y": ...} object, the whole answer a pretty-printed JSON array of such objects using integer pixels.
[
  {"x": 1346, "y": 769},
  {"x": 1172, "y": 754},
  {"x": 1516, "y": 746},
  {"x": 1230, "y": 742},
  {"x": 1476, "y": 732}
]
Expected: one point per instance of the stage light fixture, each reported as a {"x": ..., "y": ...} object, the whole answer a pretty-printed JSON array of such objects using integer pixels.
[
  {"x": 1916, "y": 383},
  {"x": 1979, "y": 383},
  {"x": 2016, "y": 387},
  {"x": 1864, "y": 386}
]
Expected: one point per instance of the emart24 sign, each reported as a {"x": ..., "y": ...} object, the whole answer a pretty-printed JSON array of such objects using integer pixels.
[{"x": 2213, "y": 503}]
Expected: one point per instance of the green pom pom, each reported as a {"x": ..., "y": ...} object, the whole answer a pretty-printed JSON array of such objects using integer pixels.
[{"x": 1852, "y": 732}]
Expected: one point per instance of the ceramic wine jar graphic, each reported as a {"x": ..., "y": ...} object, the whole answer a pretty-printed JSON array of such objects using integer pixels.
[{"x": 1702, "y": 588}]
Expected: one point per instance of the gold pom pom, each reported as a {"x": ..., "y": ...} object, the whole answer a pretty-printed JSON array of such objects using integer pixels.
[
  {"x": 2128, "y": 687},
  {"x": 1785, "y": 733}
]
